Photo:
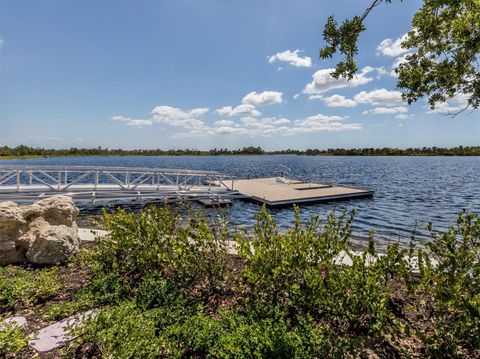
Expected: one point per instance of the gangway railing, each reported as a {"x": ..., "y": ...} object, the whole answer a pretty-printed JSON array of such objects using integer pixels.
[{"x": 82, "y": 183}]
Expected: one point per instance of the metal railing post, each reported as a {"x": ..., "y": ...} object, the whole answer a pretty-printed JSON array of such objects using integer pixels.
[{"x": 18, "y": 180}]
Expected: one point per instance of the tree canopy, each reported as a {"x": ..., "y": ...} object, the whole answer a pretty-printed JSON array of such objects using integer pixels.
[{"x": 443, "y": 57}]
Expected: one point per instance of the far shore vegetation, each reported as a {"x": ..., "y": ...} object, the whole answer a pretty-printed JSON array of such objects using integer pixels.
[{"x": 19, "y": 152}]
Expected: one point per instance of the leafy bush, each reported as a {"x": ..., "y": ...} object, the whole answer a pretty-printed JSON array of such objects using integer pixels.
[
  {"x": 450, "y": 283},
  {"x": 302, "y": 270},
  {"x": 171, "y": 290},
  {"x": 155, "y": 251}
]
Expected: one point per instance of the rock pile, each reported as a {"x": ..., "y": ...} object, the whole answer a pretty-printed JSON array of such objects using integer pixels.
[{"x": 42, "y": 233}]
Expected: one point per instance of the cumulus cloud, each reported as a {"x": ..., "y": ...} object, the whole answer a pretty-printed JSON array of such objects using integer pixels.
[
  {"x": 445, "y": 108},
  {"x": 386, "y": 110},
  {"x": 139, "y": 123},
  {"x": 292, "y": 58},
  {"x": 380, "y": 97},
  {"x": 323, "y": 81},
  {"x": 335, "y": 100},
  {"x": 121, "y": 118},
  {"x": 452, "y": 106},
  {"x": 176, "y": 117},
  {"x": 240, "y": 110},
  {"x": 224, "y": 123},
  {"x": 312, "y": 121},
  {"x": 403, "y": 116},
  {"x": 267, "y": 122},
  {"x": 132, "y": 121},
  {"x": 227, "y": 130},
  {"x": 249, "y": 125},
  {"x": 263, "y": 98},
  {"x": 392, "y": 47},
  {"x": 275, "y": 126}
]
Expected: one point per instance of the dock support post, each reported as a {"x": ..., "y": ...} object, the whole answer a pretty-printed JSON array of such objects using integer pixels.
[{"x": 18, "y": 180}]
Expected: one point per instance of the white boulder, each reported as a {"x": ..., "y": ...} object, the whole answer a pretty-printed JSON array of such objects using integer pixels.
[{"x": 42, "y": 233}]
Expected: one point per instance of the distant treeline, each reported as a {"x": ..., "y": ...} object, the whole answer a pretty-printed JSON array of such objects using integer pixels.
[{"x": 25, "y": 151}]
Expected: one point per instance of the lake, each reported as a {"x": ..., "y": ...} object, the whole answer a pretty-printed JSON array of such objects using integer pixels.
[{"x": 409, "y": 191}]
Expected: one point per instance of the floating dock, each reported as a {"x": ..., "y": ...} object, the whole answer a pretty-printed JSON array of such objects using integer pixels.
[
  {"x": 281, "y": 192},
  {"x": 87, "y": 184}
]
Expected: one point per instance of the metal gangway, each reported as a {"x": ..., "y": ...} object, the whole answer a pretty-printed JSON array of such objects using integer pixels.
[{"x": 89, "y": 184}]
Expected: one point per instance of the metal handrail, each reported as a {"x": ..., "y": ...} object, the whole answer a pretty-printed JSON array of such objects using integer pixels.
[{"x": 20, "y": 182}]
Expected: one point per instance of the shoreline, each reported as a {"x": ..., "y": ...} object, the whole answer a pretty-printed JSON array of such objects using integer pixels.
[{"x": 15, "y": 158}]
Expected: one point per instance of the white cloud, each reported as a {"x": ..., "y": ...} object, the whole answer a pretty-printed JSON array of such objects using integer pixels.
[
  {"x": 291, "y": 57},
  {"x": 315, "y": 120},
  {"x": 380, "y": 97},
  {"x": 131, "y": 121},
  {"x": 1, "y": 42},
  {"x": 240, "y": 110},
  {"x": 323, "y": 81},
  {"x": 267, "y": 122},
  {"x": 296, "y": 96},
  {"x": 228, "y": 130},
  {"x": 335, "y": 101},
  {"x": 392, "y": 47},
  {"x": 398, "y": 61},
  {"x": 387, "y": 110},
  {"x": 176, "y": 117},
  {"x": 445, "y": 108},
  {"x": 452, "y": 106},
  {"x": 224, "y": 123},
  {"x": 139, "y": 123},
  {"x": 263, "y": 98},
  {"x": 121, "y": 118},
  {"x": 403, "y": 116}
]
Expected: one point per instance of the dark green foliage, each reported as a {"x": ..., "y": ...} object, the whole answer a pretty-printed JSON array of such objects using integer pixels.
[
  {"x": 443, "y": 44},
  {"x": 343, "y": 39},
  {"x": 171, "y": 290},
  {"x": 156, "y": 252},
  {"x": 450, "y": 270},
  {"x": 302, "y": 270},
  {"x": 445, "y": 39}
]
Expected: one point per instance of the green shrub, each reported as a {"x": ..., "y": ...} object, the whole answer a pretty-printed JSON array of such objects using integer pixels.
[
  {"x": 167, "y": 282},
  {"x": 157, "y": 245},
  {"x": 450, "y": 284},
  {"x": 299, "y": 269}
]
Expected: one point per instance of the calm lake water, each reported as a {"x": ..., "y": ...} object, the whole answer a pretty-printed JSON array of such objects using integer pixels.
[{"x": 409, "y": 191}]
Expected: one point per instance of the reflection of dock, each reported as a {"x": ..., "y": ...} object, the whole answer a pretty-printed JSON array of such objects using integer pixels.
[{"x": 282, "y": 192}]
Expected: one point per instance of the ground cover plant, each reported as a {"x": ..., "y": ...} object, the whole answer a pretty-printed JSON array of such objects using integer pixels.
[{"x": 169, "y": 283}]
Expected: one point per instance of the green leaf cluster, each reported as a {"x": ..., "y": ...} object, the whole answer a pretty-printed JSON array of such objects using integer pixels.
[
  {"x": 27, "y": 286},
  {"x": 168, "y": 287}
]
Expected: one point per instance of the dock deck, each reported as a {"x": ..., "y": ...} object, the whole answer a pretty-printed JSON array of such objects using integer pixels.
[{"x": 279, "y": 194}]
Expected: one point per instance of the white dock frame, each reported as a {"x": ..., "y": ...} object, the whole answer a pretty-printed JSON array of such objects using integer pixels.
[{"x": 92, "y": 183}]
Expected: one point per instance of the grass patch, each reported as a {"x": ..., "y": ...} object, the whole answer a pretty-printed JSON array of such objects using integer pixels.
[{"x": 24, "y": 287}]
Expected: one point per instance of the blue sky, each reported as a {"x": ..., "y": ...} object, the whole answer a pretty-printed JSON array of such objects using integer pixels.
[{"x": 205, "y": 74}]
